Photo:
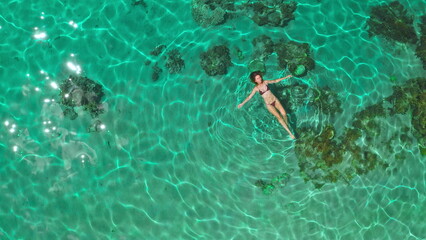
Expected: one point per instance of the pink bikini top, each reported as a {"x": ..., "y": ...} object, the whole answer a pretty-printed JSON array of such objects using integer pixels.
[{"x": 267, "y": 89}]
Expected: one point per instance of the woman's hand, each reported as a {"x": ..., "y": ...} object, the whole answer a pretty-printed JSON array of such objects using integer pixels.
[{"x": 240, "y": 105}]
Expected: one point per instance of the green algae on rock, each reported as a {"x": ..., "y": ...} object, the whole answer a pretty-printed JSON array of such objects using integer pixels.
[{"x": 300, "y": 70}]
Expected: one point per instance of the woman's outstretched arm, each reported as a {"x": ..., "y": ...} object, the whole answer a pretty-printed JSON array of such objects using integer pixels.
[
  {"x": 279, "y": 79},
  {"x": 248, "y": 98}
]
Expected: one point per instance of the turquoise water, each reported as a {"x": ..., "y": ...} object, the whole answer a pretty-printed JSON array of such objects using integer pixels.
[{"x": 177, "y": 159}]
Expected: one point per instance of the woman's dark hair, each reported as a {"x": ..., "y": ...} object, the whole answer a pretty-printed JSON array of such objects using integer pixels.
[{"x": 254, "y": 74}]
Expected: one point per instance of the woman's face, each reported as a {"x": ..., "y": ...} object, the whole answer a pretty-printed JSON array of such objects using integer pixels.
[{"x": 258, "y": 79}]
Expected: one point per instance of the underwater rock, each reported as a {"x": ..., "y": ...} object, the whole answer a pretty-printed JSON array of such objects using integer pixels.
[
  {"x": 296, "y": 95},
  {"x": 293, "y": 55},
  {"x": 96, "y": 126},
  {"x": 323, "y": 145},
  {"x": 392, "y": 22},
  {"x": 267, "y": 188},
  {"x": 70, "y": 113},
  {"x": 407, "y": 96},
  {"x": 272, "y": 13},
  {"x": 372, "y": 111},
  {"x": 326, "y": 100},
  {"x": 141, "y": 3},
  {"x": 422, "y": 25},
  {"x": 156, "y": 71},
  {"x": 238, "y": 53},
  {"x": 158, "y": 50},
  {"x": 216, "y": 60},
  {"x": 413, "y": 95},
  {"x": 278, "y": 181},
  {"x": 421, "y": 48},
  {"x": 320, "y": 153},
  {"x": 299, "y": 95},
  {"x": 79, "y": 91},
  {"x": 319, "y": 156},
  {"x": 418, "y": 119},
  {"x": 400, "y": 99},
  {"x": 174, "y": 62},
  {"x": 263, "y": 47},
  {"x": 422, "y": 150},
  {"x": 208, "y": 13},
  {"x": 257, "y": 65}
]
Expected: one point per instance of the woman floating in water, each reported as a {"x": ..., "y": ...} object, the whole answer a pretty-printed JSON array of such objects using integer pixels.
[{"x": 271, "y": 101}]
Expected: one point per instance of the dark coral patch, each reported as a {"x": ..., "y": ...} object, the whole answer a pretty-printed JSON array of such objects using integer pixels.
[
  {"x": 294, "y": 55},
  {"x": 392, "y": 22},
  {"x": 216, "y": 60},
  {"x": 276, "y": 15},
  {"x": 79, "y": 91}
]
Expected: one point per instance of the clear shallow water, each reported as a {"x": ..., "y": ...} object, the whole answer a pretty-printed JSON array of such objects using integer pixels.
[{"x": 177, "y": 159}]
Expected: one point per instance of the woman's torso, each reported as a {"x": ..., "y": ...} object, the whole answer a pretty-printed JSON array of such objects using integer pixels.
[{"x": 264, "y": 91}]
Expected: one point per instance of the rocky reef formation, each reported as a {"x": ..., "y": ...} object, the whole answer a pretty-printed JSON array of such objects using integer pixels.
[
  {"x": 174, "y": 62},
  {"x": 295, "y": 56},
  {"x": 263, "y": 47},
  {"x": 392, "y": 22},
  {"x": 156, "y": 72},
  {"x": 299, "y": 95},
  {"x": 208, "y": 13},
  {"x": 79, "y": 91},
  {"x": 421, "y": 48},
  {"x": 257, "y": 65},
  {"x": 276, "y": 13},
  {"x": 141, "y": 3},
  {"x": 411, "y": 99},
  {"x": 216, "y": 60},
  {"x": 325, "y": 157},
  {"x": 279, "y": 181},
  {"x": 158, "y": 50},
  {"x": 326, "y": 100}
]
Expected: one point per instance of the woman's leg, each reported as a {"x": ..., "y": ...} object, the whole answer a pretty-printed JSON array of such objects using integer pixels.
[
  {"x": 280, "y": 119},
  {"x": 282, "y": 111}
]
